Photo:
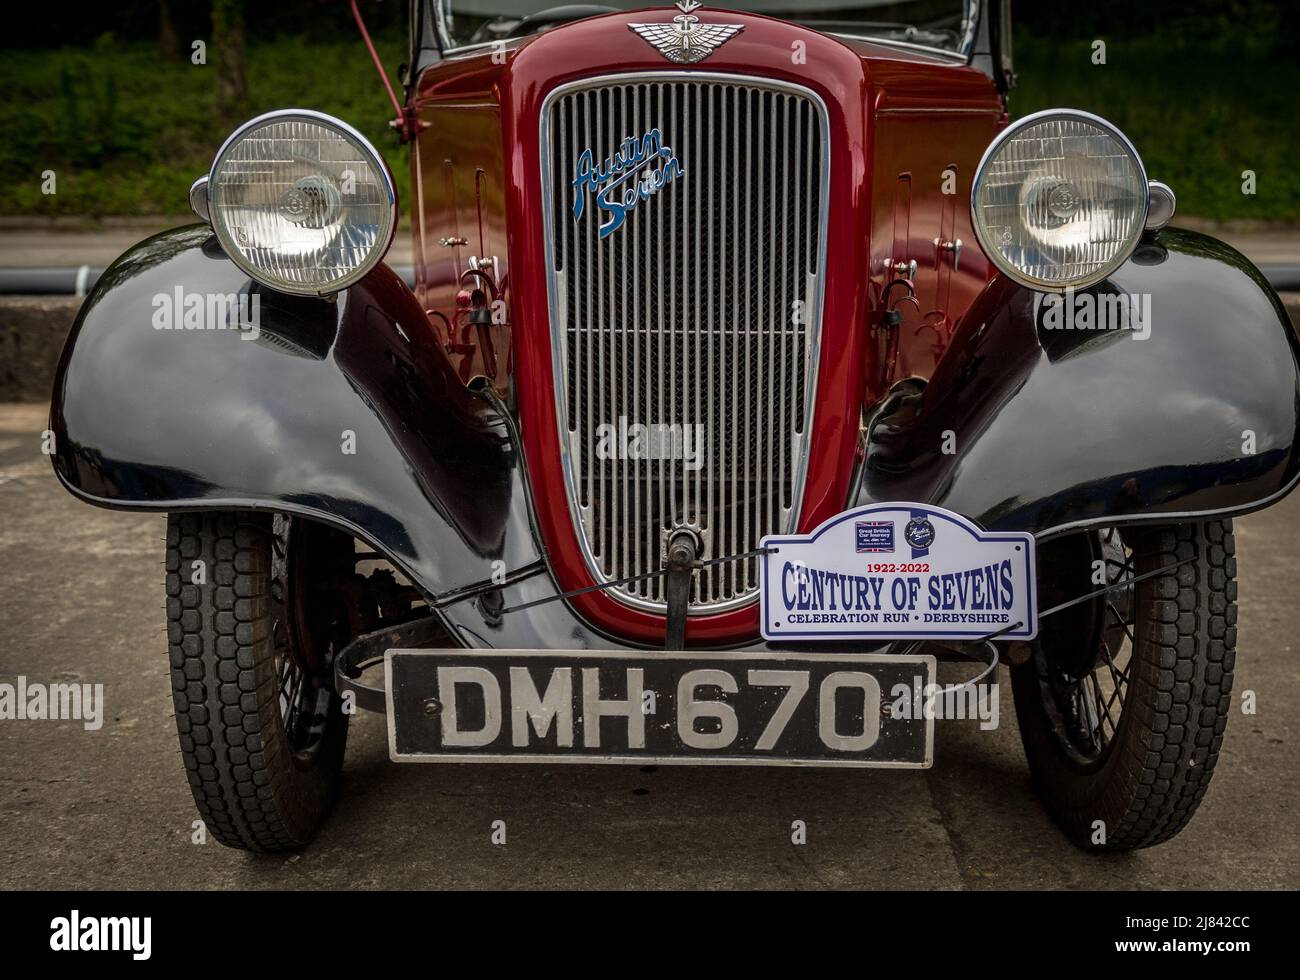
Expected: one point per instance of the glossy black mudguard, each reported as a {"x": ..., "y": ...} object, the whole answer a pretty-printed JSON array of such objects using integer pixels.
[
  {"x": 1028, "y": 428},
  {"x": 176, "y": 419},
  {"x": 1050, "y": 430}
]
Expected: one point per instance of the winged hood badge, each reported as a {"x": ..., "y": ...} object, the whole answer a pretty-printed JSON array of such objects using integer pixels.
[{"x": 686, "y": 40}]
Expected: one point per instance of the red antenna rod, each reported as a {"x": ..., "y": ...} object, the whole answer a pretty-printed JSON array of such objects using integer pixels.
[{"x": 405, "y": 123}]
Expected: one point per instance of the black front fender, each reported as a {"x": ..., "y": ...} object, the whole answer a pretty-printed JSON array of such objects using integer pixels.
[
  {"x": 1028, "y": 428},
  {"x": 346, "y": 410}
]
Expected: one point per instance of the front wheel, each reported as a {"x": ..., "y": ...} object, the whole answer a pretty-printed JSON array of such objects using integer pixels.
[
  {"x": 1123, "y": 704},
  {"x": 252, "y": 625}
]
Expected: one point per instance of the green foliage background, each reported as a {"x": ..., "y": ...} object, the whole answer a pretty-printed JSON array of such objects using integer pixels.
[
  {"x": 1199, "y": 110},
  {"x": 126, "y": 132}
]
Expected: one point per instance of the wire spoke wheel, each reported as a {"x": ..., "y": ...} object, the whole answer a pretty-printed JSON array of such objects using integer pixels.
[
  {"x": 1088, "y": 689},
  {"x": 309, "y": 625}
]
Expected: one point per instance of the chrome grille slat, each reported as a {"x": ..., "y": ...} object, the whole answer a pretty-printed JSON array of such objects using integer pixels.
[
  {"x": 751, "y": 320},
  {"x": 685, "y": 316}
]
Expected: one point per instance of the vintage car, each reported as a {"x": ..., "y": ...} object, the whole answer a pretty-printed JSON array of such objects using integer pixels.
[{"x": 755, "y": 362}]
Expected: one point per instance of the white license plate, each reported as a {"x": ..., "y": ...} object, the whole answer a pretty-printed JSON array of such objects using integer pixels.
[{"x": 899, "y": 571}]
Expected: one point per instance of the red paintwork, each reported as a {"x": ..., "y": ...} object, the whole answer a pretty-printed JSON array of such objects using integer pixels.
[{"x": 476, "y": 175}]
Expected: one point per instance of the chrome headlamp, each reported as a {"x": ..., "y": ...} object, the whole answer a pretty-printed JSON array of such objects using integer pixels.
[
  {"x": 1060, "y": 200},
  {"x": 300, "y": 201}
]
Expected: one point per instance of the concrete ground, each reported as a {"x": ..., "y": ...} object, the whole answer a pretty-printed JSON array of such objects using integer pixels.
[{"x": 81, "y": 600}]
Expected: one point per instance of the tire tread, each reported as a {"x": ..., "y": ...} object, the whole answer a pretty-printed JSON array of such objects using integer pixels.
[{"x": 224, "y": 688}]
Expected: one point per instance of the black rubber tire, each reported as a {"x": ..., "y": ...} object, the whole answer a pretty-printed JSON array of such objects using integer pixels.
[
  {"x": 252, "y": 790},
  {"x": 1148, "y": 785}
]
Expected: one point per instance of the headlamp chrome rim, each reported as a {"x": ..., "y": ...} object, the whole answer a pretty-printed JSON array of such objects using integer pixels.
[
  {"x": 374, "y": 157},
  {"x": 1121, "y": 256}
]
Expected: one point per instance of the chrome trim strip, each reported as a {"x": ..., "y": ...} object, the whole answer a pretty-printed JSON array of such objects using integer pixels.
[
  {"x": 662, "y": 218},
  {"x": 956, "y": 57}
]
